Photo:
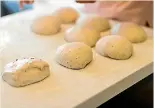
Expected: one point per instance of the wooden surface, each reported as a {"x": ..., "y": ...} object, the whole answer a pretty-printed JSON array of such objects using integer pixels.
[{"x": 101, "y": 80}]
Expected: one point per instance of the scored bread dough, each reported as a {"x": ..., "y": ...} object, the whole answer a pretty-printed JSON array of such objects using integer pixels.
[
  {"x": 46, "y": 25},
  {"x": 94, "y": 21},
  {"x": 85, "y": 35},
  {"x": 67, "y": 14},
  {"x": 114, "y": 46},
  {"x": 75, "y": 55},
  {"x": 133, "y": 32},
  {"x": 25, "y": 71}
]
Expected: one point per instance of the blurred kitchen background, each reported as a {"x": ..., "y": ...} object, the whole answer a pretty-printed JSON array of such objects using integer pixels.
[{"x": 12, "y": 6}]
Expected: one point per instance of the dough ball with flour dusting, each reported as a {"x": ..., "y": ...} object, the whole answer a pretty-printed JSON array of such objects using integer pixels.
[
  {"x": 75, "y": 55},
  {"x": 85, "y": 35},
  {"x": 115, "y": 47},
  {"x": 46, "y": 25},
  {"x": 23, "y": 72},
  {"x": 133, "y": 32},
  {"x": 94, "y": 21},
  {"x": 67, "y": 14}
]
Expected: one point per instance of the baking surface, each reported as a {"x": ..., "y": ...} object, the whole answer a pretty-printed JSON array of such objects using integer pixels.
[{"x": 65, "y": 88}]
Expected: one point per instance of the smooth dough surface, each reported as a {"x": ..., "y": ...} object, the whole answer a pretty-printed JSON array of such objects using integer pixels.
[
  {"x": 133, "y": 32},
  {"x": 46, "y": 25},
  {"x": 23, "y": 72},
  {"x": 85, "y": 35},
  {"x": 115, "y": 47},
  {"x": 94, "y": 21},
  {"x": 67, "y": 14},
  {"x": 75, "y": 55}
]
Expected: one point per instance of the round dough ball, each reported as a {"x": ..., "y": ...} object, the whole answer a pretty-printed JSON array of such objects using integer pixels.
[
  {"x": 75, "y": 55},
  {"x": 67, "y": 14},
  {"x": 26, "y": 71},
  {"x": 85, "y": 35},
  {"x": 46, "y": 25},
  {"x": 94, "y": 21},
  {"x": 133, "y": 32},
  {"x": 115, "y": 47}
]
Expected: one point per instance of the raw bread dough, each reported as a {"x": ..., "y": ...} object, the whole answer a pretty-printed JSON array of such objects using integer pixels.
[
  {"x": 67, "y": 14},
  {"x": 75, "y": 55},
  {"x": 105, "y": 33},
  {"x": 85, "y": 35},
  {"x": 114, "y": 46},
  {"x": 94, "y": 21},
  {"x": 133, "y": 32},
  {"x": 46, "y": 25},
  {"x": 23, "y": 72}
]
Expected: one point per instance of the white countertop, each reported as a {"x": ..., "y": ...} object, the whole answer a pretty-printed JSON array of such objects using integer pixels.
[{"x": 87, "y": 88}]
